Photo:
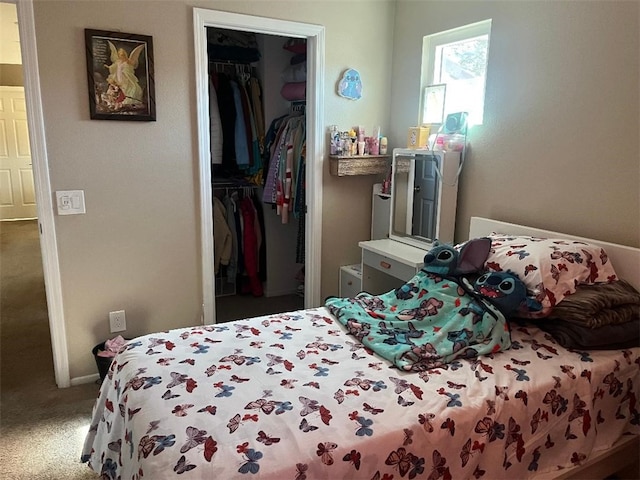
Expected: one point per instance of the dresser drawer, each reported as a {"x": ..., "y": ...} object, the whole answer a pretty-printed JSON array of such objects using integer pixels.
[
  {"x": 388, "y": 265},
  {"x": 350, "y": 280}
]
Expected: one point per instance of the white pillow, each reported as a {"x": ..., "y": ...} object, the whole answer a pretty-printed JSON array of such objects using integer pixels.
[{"x": 551, "y": 268}]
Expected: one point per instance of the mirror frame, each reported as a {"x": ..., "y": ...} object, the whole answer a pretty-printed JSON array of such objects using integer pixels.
[{"x": 447, "y": 196}]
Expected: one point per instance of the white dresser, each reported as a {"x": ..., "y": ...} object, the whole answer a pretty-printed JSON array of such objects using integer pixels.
[
  {"x": 387, "y": 264},
  {"x": 350, "y": 280},
  {"x": 423, "y": 181}
]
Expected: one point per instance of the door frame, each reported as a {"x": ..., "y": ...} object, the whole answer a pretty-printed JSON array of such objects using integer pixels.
[
  {"x": 42, "y": 183},
  {"x": 314, "y": 34}
]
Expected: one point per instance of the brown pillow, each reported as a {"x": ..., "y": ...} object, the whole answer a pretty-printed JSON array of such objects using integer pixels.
[{"x": 601, "y": 304}]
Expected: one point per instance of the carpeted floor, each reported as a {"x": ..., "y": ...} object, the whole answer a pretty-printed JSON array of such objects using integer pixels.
[
  {"x": 42, "y": 427},
  {"x": 236, "y": 307}
]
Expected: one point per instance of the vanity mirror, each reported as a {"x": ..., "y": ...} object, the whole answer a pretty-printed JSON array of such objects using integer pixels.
[{"x": 424, "y": 192}]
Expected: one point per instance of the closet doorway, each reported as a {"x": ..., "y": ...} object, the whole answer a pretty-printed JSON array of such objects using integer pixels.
[{"x": 314, "y": 35}]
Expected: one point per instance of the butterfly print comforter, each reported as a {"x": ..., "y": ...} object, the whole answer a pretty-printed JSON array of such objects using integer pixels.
[{"x": 294, "y": 396}]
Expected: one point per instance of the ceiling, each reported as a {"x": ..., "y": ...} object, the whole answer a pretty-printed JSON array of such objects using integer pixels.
[{"x": 9, "y": 37}]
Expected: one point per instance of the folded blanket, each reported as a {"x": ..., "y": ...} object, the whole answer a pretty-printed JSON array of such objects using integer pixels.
[
  {"x": 607, "y": 337},
  {"x": 597, "y": 305},
  {"x": 428, "y": 322}
]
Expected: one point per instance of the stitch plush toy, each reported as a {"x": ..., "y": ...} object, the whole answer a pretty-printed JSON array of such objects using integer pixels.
[
  {"x": 437, "y": 316},
  {"x": 445, "y": 260},
  {"x": 506, "y": 291}
]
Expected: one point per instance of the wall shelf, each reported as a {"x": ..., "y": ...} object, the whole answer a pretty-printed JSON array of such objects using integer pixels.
[{"x": 358, "y": 165}]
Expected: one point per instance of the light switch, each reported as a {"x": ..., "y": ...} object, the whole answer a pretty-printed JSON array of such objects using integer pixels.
[{"x": 70, "y": 202}]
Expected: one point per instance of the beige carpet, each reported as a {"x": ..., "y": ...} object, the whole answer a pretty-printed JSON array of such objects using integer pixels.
[{"x": 42, "y": 428}]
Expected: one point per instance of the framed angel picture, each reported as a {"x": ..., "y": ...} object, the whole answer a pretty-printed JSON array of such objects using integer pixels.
[{"x": 120, "y": 75}]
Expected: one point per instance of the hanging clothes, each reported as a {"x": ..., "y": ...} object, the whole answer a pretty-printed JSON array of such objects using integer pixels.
[
  {"x": 221, "y": 235},
  {"x": 239, "y": 239},
  {"x": 262, "y": 251},
  {"x": 240, "y": 129},
  {"x": 256, "y": 103},
  {"x": 215, "y": 126},
  {"x": 271, "y": 140},
  {"x": 300, "y": 211},
  {"x": 251, "y": 249},
  {"x": 231, "y": 205},
  {"x": 271, "y": 158},
  {"x": 255, "y": 159},
  {"x": 227, "y": 113},
  {"x": 239, "y": 99},
  {"x": 271, "y": 183},
  {"x": 284, "y": 165},
  {"x": 240, "y": 260}
]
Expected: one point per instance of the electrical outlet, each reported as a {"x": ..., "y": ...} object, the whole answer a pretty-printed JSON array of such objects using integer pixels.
[{"x": 117, "y": 321}]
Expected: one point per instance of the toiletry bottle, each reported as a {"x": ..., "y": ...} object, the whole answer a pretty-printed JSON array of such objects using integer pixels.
[
  {"x": 334, "y": 139},
  {"x": 383, "y": 145}
]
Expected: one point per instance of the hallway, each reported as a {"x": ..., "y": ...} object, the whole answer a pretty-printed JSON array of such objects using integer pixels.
[{"x": 42, "y": 427}]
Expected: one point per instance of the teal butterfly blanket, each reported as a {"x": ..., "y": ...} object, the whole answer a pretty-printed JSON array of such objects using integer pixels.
[{"x": 428, "y": 322}]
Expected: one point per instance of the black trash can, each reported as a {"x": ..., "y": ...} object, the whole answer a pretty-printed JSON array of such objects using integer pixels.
[{"x": 103, "y": 363}]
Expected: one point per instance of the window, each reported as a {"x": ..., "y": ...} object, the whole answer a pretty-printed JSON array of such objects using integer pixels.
[{"x": 457, "y": 59}]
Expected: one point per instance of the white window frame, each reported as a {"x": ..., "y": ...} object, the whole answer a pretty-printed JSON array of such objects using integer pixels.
[{"x": 432, "y": 42}]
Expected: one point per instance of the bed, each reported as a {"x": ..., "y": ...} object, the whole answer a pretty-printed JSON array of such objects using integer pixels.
[{"x": 294, "y": 396}]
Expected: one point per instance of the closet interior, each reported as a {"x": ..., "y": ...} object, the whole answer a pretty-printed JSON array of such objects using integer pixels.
[{"x": 257, "y": 99}]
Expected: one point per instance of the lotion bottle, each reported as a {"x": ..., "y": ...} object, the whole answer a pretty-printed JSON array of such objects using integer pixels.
[{"x": 383, "y": 145}]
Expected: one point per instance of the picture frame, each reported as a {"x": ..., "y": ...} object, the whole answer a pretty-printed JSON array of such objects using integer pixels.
[
  {"x": 120, "y": 76},
  {"x": 433, "y": 99}
]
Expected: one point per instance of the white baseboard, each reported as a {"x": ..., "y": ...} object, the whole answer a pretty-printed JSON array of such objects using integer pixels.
[{"x": 86, "y": 379}]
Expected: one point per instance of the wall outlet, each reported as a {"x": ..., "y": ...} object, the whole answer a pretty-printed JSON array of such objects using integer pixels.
[{"x": 117, "y": 321}]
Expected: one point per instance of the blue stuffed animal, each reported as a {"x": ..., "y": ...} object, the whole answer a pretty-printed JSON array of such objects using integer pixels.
[
  {"x": 445, "y": 260},
  {"x": 506, "y": 291}
]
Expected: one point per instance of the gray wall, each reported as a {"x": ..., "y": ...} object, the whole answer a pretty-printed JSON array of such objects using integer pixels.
[
  {"x": 559, "y": 148},
  {"x": 137, "y": 247}
]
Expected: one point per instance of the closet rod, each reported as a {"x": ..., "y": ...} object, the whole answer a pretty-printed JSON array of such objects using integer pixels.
[
  {"x": 229, "y": 62},
  {"x": 239, "y": 183},
  {"x": 243, "y": 70},
  {"x": 247, "y": 190}
]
